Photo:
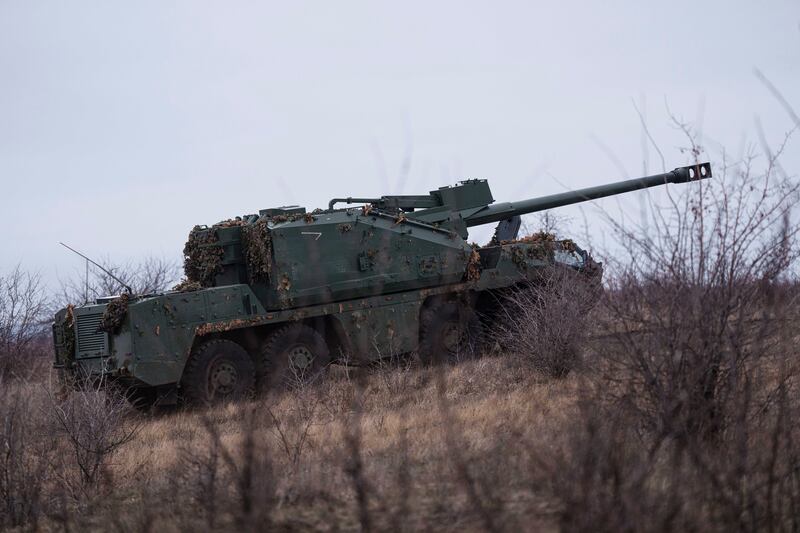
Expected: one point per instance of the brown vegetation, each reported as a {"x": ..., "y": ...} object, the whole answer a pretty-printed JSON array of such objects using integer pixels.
[
  {"x": 22, "y": 307},
  {"x": 151, "y": 275}
]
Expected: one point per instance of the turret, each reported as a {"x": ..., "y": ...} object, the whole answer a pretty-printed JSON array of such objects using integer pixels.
[
  {"x": 470, "y": 203},
  {"x": 394, "y": 243}
]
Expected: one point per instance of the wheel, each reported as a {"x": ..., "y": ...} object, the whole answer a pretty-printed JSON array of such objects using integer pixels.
[
  {"x": 294, "y": 355},
  {"x": 449, "y": 332},
  {"x": 218, "y": 370}
]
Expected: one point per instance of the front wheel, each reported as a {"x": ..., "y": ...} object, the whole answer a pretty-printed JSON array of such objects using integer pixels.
[{"x": 218, "y": 370}]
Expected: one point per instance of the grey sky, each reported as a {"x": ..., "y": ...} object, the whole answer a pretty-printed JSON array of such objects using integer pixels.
[{"x": 123, "y": 124}]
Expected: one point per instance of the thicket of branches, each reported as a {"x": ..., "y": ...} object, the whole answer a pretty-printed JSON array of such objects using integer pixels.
[
  {"x": 151, "y": 275},
  {"x": 689, "y": 415},
  {"x": 23, "y": 304}
]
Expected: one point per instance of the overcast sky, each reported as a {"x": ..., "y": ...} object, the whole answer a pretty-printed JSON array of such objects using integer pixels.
[{"x": 123, "y": 124}]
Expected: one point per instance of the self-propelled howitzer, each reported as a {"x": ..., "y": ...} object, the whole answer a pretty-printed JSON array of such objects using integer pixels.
[{"x": 278, "y": 295}]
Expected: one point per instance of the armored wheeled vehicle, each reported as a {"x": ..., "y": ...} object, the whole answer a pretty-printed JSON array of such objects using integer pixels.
[{"x": 274, "y": 297}]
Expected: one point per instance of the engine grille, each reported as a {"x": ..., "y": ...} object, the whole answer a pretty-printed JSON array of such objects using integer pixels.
[{"x": 90, "y": 340}]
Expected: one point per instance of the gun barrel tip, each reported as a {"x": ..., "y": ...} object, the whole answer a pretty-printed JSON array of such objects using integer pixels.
[
  {"x": 699, "y": 171},
  {"x": 702, "y": 171}
]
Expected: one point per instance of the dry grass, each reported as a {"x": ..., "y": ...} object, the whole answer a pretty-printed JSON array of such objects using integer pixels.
[{"x": 491, "y": 405}]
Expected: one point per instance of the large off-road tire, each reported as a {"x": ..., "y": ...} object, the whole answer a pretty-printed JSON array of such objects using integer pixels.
[
  {"x": 449, "y": 332},
  {"x": 294, "y": 355},
  {"x": 218, "y": 370}
]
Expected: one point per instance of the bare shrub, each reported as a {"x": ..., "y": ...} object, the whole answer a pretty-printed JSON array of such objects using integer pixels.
[
  {"x": 150, "y": 275},
  {"x": 482, "y": 496},
  {"x": 97, "y": 422},
  {"x": 604, "y": 479},
  {"x": 752, "y": 476},
  {"x": 355, "y": 470},
  {"x": 688, "y": 417},
  {"x": 399, "y": 377},
  {"x": 231, "y": 482},
  {"x": 22, "y": 307},
  {"x": 198, "y": 477},
  {"x": 608, "y": 475},
  {"x": 691, "y": 313},
  {"x": 544, "y": 322},
  {"x": 25, "y": 456},
  {"x": 292, "y": 429}
]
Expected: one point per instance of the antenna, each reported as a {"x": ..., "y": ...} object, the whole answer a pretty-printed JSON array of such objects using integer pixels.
[{"x": 127, "y": 287}]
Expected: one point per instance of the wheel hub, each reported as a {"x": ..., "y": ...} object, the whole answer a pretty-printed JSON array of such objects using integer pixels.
[
  {"x": 223, "y": 378},
  {"x": 300, "y": 357},
  {"x": 454, "y": 337}
]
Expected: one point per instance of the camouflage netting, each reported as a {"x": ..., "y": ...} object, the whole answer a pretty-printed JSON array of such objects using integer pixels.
[
  {"x": 568, "y": 245},
  {"x": 187, "y": 286},
  {"x": 67, "y": 326},
  {"x": 540, "y": 237},
  {"x": 257, "y": 246},
  {"x": 543, "y": 244},
  {"x": 230, "y": 223},
  {"x": 202, "y": 260},
  {"x": 114, "y": 314},
  {"x": 474, "y": 264}
]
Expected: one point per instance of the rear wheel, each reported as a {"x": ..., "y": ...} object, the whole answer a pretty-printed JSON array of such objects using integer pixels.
[
  {"x": 449, "y": 332},
  {"x": 219, "y": 370},
  {"x": 295, "y": 354}
]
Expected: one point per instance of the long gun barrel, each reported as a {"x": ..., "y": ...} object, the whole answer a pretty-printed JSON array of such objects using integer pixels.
[
  {"x": 505, "y": 210},
  {"x": 470, "y": 203}
]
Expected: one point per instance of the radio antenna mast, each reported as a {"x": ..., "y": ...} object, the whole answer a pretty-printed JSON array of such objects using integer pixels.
[{"x": 127, "y": 287}]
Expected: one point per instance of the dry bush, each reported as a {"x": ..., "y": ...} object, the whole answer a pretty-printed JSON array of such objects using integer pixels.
[
  {"x": 96, "y": 421},
  {"x": 605, "y": 478},
  {"x": 607, "y": 475},
  {"x": 150, "y": 275},
  {"x": 692, "y": 313},
  {"x": 544, "y": 322},
  {"x": 25, "y": 457},
  {"x": 22, "y": 307},
  {"x": 236, "y": 474},
  {"x": 198, "y": 478},
  {"x": 292, "y": 429},
  {"x": 248, "y": 469},
  {"x": 688, "y": 418}
]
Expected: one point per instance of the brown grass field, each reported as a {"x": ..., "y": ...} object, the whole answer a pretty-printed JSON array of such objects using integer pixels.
[{"x": 413, "y": 430}]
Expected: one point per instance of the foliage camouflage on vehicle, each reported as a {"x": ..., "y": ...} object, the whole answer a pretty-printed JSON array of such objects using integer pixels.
[
  {"x": 272, "y": 297},
  {"x": 202, "y": 260},
  {"x": 68, "y": 326},
  {"x": 186, "y": 285},
  {"x": 114, "y": 314},
  {"x": 258, "y": 250}
]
